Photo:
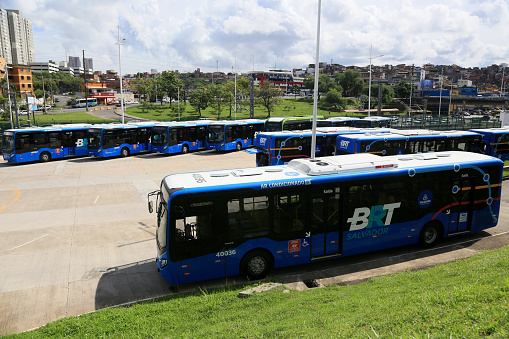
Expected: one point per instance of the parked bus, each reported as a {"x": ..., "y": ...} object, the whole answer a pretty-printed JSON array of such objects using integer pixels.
[
  {"x": 372, "y": 122},
  {"x": 337, "y": 122},
  {"x": 409, "y": 141},
  {"x": 278, "y": 148},
  {"x": 289, "y": 124},
  {"x": 230, "y": 135},
  {"x": 45, "y": 143},
  {"x": 495, "y": 141},
  {"x": 112, "y": 140},
  {"x": 181, "y": 137},
  {"x": 83, "y": 102},
  {"x": 248, "y": 221}
]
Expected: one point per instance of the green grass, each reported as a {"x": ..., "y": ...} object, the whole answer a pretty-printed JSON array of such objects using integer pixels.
[
  {"x": 70, "y": 117},
  {"x": 463, "y": 299},
  {"x": 288, "y": 107}
]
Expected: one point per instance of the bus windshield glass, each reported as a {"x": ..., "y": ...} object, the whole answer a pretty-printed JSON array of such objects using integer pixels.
[
  {"x": 8, "y": 142},
  {"x": 94, "y": 138},
  {"x": 215, "y": 134},
  {"x": 271, "y": 126},
  {"x": 159, "y": 134}
]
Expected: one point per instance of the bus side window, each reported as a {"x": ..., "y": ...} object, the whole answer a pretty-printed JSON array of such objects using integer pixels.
[
  {"x": 289, "y": 214},
  {"x": 249, "y": 216}
]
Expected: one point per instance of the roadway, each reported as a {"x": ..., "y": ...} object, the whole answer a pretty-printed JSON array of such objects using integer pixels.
[{"x": 76, "y": 236}]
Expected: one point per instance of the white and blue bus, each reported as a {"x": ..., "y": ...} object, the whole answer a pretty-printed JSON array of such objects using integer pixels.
[
  {"x": 495, "y": 141},
  {"x": 409, "y": 142},
  {"x": 248, "y": 221},
  {"x": 179, "y": 137},
  {"x": 111, "y": 140},
  {"x": 279, "y": 148},
  {"x": 45, "y": 143},
  {"x": 77, "y": 103},
  {"x": 233, "y": 135}
]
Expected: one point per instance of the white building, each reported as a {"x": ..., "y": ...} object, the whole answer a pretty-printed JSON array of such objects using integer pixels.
[
  {"x": 17, "y": 41},
  {"x": 39, "y": 67}
]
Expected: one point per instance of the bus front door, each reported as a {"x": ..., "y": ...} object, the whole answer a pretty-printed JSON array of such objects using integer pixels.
[
  {"x": 68, "y": 143},
  {"x": 462, "y": 205},
  {"x": 325, "y": 226}
]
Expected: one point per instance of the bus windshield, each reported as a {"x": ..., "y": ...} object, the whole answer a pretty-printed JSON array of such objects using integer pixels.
[
  {"x": 159, "y": 135},
  {"x": 94, "y": 138},
  {"x": 215, "y": 134},
  {"x": 273, "y": 126},
  {"x": 8, "y": 142}
]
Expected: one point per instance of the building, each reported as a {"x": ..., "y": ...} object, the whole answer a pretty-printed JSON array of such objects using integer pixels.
[
  {"x": 89, "y": 63},
  {"x": 282, "y": 79},
  {"x": 39, "y": 67},
  {"x": 21, "y": 77},
  {"x": 16, "y": 38},
  {"x": 74, "y": 62}
]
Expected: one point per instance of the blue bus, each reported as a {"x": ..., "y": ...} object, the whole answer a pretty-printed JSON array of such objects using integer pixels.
[
  {"x": 409, "y": 142},
  {"x": 91, "y": 102},
  {"x": 495, "y": 141},
  {"x": 112, "y": 140},
  {"x": 278, "y": 148},
  {"x": 248, "y": 221},
  {"x": 45, "y": 143},
  {"x": 372, "y": 122},
  {"x": 179, "y": 137},
  {"x": 277, "y": 124},
  {"x": 233, "y": 135}
]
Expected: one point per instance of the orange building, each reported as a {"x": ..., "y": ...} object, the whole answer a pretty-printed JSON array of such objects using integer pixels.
[
  {"x": 21, "y": 77},
  {"x": 98, "y": 90}
]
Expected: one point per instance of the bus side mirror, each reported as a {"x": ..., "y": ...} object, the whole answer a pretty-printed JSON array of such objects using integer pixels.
[{"x": 150, "y": 206}]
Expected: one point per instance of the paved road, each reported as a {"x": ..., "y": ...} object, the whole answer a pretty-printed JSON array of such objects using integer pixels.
[{"x": 76, "y": 236}]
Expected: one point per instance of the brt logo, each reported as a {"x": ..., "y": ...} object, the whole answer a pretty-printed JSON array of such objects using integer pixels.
[
  {"x": 344, "y": 144},
  {"x": 263, "y": 141},
  {"x": 365, "y": 217}
]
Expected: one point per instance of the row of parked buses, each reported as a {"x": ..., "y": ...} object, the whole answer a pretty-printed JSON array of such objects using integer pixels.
[
  {"x": 107, "y": 140},
  {"x": 273, "y": 140}
]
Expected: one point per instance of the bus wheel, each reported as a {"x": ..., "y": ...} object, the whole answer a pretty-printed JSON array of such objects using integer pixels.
[
  {"x": 125, "y": 152},
  {"x": 256, "y": 265},
  {"x": 239, "y": 146},
  {"x": 185, "y": 149},
  {"x": 45, "y": 157},
  {"x": 430, "y": 235}
]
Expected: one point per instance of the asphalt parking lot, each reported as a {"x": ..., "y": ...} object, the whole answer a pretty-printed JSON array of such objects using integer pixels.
[{"x": 76, "y": 236}]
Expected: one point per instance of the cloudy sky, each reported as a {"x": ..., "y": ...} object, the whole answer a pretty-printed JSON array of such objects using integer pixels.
[{"x": 267, "y": 34}]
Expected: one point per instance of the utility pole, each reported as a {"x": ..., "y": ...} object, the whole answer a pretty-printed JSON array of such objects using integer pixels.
[
  {"x": 43, "y": 95},
  {"x": 85, "y": 82},
  {"x": 28, "y": 109},
  {"x": 9, "y": 94}
]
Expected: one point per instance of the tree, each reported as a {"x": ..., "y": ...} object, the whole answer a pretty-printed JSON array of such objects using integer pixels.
[
  {"x": 168, "y": 84},
  {"x": 351, "y": 82},
  {"x": 296, "y": 90},
  {"x": 219, "y": 96},
  {"x": 199, "y": 99},
  {"x": 325, "y": 84},
  {"x": 268, "y": 95},
  {"x": 402, "y": 89},
  {"x": 334, "y": 99},
  {"x": 387, "y": 94}
]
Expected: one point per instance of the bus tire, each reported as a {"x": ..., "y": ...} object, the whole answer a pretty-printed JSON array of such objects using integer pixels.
[
  {"x": 44, "y": 157},
  {"x": 239, "y": 146},
  {"x": 430, "y": 235},
  {"x": 256, "y": 264},
  {"x": 185, "y": 149},
  {"x": 124, "y": 152}
]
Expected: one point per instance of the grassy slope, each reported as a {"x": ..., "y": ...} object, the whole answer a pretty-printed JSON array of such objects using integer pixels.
[{"x": 464, "y": 299}]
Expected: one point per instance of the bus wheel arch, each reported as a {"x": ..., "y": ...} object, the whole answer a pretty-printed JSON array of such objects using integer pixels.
[
  {"x": 185, "y": 149},
  {"x": 238, "y": 147},
  {"x": 45, "y": 157},
  {"x": 431, "y": 234},
  {"x": 124, "y": 152},
  {"x": 256, "y": 264}
]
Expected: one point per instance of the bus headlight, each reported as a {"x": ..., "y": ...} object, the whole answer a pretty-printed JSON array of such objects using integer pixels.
[{"x": 163, "y": 262}]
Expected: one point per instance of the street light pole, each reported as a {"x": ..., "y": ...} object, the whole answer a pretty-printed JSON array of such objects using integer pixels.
[
  {"x": 9, "y": 94},
  {"x": 369, "y": 89},
  {"x": 317, "y": 73},
  {"x": 120, "y": 73}
]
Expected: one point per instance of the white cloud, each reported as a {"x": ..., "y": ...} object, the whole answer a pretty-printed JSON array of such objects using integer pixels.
[{"x": 185, "y": 35}]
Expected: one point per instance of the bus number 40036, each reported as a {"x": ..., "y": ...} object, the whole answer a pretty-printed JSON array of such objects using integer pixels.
[{"x": 226, "y": 253}]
